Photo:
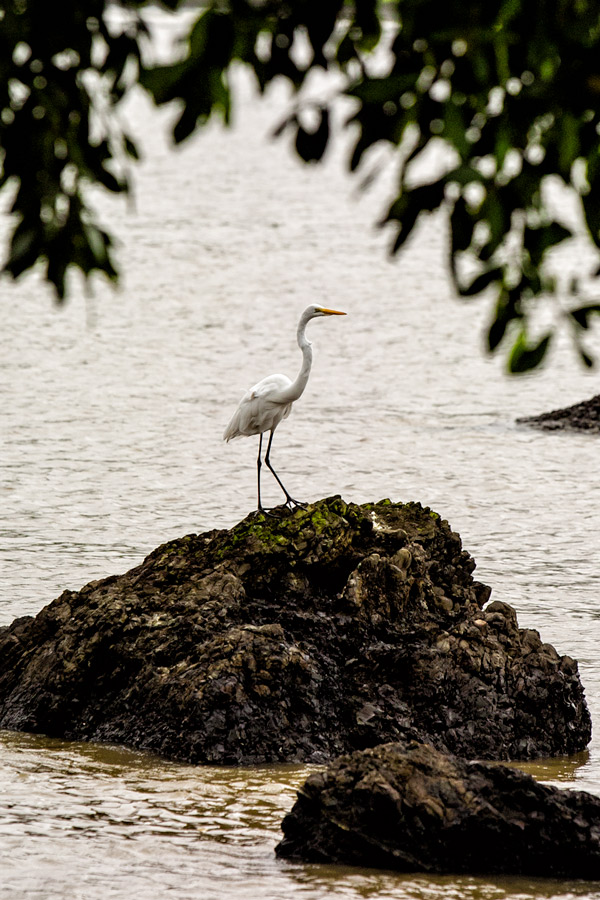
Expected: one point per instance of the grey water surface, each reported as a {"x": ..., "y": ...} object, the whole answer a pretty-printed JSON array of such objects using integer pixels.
[{"x": 112, "y": 410}]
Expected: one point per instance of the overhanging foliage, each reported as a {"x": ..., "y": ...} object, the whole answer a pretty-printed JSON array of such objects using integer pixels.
[{"x": 511, "y": 90}]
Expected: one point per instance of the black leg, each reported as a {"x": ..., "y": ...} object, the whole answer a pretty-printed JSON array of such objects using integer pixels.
[
  {"x": 288, "y": 498},
  {"x": 261, "y": 508},
  {"x": 258, "y": 467}
]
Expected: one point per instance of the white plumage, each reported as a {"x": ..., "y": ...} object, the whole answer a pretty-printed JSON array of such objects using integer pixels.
[
  {"x": 264, "y": 406},
  {"x": 259, "y": 409}
]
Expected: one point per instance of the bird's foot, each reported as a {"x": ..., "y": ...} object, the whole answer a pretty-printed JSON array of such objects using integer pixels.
[
  {"x": 271, "y": 513},
  {"x": 295, "y": 504},
  {"x": 278, "y": 512}
]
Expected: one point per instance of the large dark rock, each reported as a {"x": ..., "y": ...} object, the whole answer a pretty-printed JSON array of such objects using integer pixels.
[
  {"x": 334, "y": 628},
  {"x": 583, "y": 416},
  {"x": 417, "y": 810}
]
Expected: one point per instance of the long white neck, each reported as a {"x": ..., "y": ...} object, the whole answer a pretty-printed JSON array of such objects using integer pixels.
[{"x": 296, "y": 389}]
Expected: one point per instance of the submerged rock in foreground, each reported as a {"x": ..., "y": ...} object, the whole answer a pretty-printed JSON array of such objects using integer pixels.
[
  {"x": 583, "y": 417},
  {"x": 417, "y": 810},
  {"x": 334, "y": 628}
]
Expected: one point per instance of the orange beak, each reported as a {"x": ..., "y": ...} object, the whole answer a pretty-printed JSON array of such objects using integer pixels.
[{"x": 332, "y": 312}]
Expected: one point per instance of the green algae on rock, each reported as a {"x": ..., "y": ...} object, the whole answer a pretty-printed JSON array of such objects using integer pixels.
[{"x": 333, "y": 628}]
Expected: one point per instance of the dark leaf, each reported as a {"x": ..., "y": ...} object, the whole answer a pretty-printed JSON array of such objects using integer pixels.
[
  {"x": 120, "y": 49},
  {"x": 284, "y": 124},
  {"x": 131, "y": 147},
  {"x": 162, "y": 82},
  {"x": 366, "y": 17},
  {"x": 581, "y": 316},
  {"x": 310, "y": 145},
  {"x": 461, "y": 226},
  {"x": 568, "y": 148},
  {"x": 524, "y": 356},
  {"x": 410, "y": 204},
  {"x": 320, "y": 23},
  {"x": 496, "y": 333},
  {"x": 110, "y": 181},
  {"x": 497, "y": 214},
  {"x": 481, "y": 282},
  {"x": 380, "y": 90},
  {"x": 345, "y": 51},
  {"x": 538, "y": 240},
  {"x": 507, "y": 310},
  {"x": 56, "y": 273},
  {"x": 23, "y": 246}
]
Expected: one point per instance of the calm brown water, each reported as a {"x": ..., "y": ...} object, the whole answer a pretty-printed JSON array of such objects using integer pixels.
[{"x": 112, "y": 411}]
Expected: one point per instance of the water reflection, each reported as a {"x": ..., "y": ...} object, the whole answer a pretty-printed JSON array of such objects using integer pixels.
[
  {"x": 92, "y": 788},
  {"x": 110, "y": 815},
  {"x": 345, "y": 881},
  {"x": 555, "y": 771}
]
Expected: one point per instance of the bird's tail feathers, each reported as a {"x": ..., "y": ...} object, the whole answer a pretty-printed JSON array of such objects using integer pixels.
[{"x": 232, "y": 431}]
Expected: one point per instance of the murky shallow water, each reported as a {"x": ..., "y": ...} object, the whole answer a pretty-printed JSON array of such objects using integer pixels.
[
  {"x": 112, "y": 411},
  {"x": 87, "y": 821},
  {"x": 77, "y": 811}
]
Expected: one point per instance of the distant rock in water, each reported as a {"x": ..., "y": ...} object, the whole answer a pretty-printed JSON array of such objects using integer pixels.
[
  {"x": 417, "y": 810},
  {"x": 583, "y": 416},
  {"x": 334, "y": 628}
]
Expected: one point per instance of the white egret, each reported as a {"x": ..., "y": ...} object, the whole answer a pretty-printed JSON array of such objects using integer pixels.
[{"x": 264, "y": 406}]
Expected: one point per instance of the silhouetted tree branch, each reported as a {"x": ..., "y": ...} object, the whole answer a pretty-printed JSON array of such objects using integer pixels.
[{"x": 511, "y": 90}]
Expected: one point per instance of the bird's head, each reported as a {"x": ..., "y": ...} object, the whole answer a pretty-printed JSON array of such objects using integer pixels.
[{"x": 324, "y": 311}]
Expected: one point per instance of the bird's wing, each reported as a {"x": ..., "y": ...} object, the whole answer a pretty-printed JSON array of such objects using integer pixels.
[
  {"x": 259, "y": 410},
  {"x": 270, "y": 386}
]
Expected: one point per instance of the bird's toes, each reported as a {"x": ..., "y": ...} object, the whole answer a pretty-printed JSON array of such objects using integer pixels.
[
  {"x": 295, "y": 504},
  {"x": 276, "y": 512}
]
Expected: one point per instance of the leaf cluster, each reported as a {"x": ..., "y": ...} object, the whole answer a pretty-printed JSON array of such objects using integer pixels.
[
  {"x": 509, "y": 90},
  {"x": 62, "y": 73}
]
